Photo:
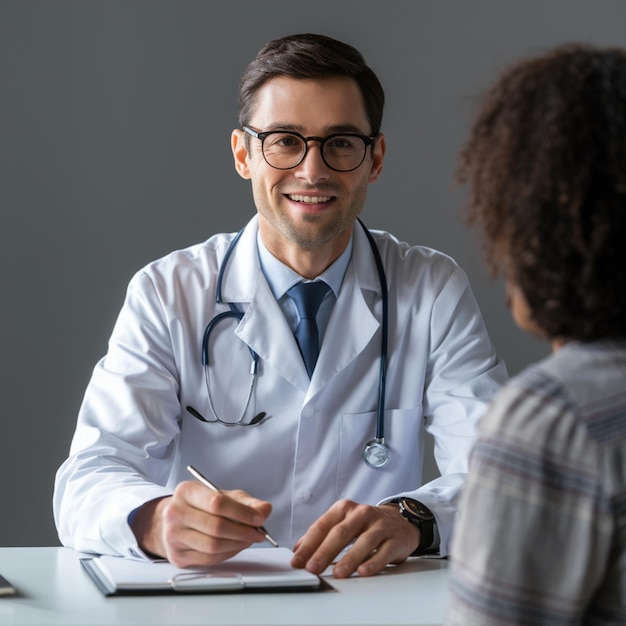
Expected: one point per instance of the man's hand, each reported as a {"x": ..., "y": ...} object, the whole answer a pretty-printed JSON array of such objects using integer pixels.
[
  {"x": 196, "y": 526},
  {"x": 380, "y": 534}
]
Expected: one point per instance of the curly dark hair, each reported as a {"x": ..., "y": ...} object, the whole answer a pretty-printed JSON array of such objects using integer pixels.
[
  {"x": 308, "y": 55},
  {"x": 546, "y": 164}
]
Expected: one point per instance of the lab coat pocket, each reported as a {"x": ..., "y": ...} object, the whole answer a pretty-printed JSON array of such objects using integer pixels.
[{"x": 404, "y": 435}]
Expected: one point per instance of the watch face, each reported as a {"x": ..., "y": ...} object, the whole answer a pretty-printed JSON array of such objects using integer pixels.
[{"x": 416, "y": 509}]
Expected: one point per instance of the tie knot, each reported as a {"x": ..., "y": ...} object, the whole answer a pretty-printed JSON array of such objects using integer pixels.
[{"x": 307, "y": 297}]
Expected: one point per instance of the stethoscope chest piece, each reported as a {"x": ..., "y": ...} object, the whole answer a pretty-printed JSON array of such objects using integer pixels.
[{"x": 376, "y": 453}]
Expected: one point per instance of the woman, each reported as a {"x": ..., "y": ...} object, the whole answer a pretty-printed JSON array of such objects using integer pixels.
[{"x": 541, "y": 537}]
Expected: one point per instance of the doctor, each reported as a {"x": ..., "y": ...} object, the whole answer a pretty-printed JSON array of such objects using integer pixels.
[{"x": 325, "y": 455}]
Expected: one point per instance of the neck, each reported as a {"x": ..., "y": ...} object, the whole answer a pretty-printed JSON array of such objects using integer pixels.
[{"x": 307, "y": 261}]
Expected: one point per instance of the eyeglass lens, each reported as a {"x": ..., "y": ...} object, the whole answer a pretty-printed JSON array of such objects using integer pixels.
[{"x": 340, "y": 152}]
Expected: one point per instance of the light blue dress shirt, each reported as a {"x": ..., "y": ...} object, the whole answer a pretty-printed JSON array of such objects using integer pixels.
[{"x": 281, "y": 278}]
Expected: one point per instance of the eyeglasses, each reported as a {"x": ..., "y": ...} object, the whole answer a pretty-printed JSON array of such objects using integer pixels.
[{"x": 284, "y": 150}]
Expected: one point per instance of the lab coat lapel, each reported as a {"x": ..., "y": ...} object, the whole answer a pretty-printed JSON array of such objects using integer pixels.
[{"x": 263, "y": 327}]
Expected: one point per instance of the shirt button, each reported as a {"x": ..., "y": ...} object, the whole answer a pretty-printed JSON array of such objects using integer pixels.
[
  {"x": 308, "y": 411},
  {"x": 303, "y": 495}
]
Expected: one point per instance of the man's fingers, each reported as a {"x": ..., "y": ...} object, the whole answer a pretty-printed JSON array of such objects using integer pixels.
[
  {"x": 329, "y": 535},
  {"x": 380, "y": 536},
  {"x": 368, "y": 556},
  {"x": 188, "y": 547},
  {"x": 234, "y": 505}
]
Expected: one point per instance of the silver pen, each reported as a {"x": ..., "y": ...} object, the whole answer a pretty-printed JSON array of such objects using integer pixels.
[{"x": 207, "y": 483}]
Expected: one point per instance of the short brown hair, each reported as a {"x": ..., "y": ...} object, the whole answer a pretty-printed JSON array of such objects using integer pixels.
[{"x": 310, "y": 56}]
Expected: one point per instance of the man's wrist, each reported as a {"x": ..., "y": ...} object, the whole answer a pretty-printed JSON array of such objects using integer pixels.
[
  {"x": 145, "y": 522},
  {"x": 422, "y": 517}
]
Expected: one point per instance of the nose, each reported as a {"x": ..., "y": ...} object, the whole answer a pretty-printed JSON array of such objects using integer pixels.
[{"x": 313, "y": 168}]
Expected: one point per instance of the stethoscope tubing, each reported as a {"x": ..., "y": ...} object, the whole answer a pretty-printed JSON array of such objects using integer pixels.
[
  {"x": 234, "y": 313},
  {"x": 382, "y": 376}
]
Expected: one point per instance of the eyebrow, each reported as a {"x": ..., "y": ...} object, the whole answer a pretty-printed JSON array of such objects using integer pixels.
[{"x": 329, "y": 130}]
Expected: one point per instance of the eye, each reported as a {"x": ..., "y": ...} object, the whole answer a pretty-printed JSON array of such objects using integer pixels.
[
  {"x": 289, "y": 140},
  {"x": 284, "y": 140},
  {"x": 344, "y": 142}
]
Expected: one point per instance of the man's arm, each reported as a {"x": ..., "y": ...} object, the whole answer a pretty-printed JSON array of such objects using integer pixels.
[{"x": 465, "y": 373}]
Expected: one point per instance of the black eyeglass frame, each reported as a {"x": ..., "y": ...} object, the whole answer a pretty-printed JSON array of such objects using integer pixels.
[{"x": 262, "y": 136}]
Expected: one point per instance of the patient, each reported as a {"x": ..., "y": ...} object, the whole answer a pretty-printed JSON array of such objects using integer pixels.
[{"x": 541, "y": 537}]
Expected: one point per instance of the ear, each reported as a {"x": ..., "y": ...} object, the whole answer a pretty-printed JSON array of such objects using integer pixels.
[
  {"x": 378, "y": 155},
  {"x": 240, "y": 153}
]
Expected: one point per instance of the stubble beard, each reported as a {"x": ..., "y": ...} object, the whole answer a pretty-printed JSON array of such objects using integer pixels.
[{"x": 321, "y": 231}]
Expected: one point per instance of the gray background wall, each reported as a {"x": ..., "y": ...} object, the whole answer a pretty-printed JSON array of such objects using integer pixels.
[{"x": 114, "y": 149}]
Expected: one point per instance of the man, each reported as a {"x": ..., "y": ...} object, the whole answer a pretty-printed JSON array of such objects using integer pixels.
[
  {"x": 542, "y": 531},
  {"x": 209, "y": 366}
]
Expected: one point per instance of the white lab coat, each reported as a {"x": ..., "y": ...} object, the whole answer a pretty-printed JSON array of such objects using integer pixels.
[{"x": 134, "y": 437}]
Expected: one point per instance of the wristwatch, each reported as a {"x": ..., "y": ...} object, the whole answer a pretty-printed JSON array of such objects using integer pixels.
[{"x": 422, "y": 517}]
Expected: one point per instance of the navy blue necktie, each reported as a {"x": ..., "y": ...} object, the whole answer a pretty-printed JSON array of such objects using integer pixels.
[{"x": 307, "y": 297}]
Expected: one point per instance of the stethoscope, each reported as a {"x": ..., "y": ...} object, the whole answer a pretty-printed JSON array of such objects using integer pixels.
[{"x": 376, "y": 453}]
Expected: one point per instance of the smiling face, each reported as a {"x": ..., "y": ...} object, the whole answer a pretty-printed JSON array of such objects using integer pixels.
[{"x": 306, "y": 214}]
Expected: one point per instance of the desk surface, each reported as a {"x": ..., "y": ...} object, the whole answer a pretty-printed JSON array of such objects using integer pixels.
[{"x": 54, "y": 589}]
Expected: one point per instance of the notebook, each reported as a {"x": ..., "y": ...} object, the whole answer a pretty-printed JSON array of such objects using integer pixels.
[{"x": 254, "y": 569}]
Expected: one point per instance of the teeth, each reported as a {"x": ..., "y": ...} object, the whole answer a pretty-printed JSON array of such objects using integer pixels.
[{"x": 309, "y": 199}]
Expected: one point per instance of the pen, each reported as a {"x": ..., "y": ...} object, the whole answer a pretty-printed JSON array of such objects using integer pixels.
[{"x": 207, "y": 483}]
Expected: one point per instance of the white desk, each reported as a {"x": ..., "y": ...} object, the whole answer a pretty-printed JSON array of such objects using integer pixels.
[{"x": 54, "y": 589}]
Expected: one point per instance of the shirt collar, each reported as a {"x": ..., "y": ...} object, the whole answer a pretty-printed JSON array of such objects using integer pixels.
[{"x": 281, "y": 278}]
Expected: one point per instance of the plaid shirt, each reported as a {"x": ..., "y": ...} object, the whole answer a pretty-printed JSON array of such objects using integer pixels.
[{"x": 541, "y": 537}]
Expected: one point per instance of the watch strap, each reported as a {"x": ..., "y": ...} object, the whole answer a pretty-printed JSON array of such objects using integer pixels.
[
  {"x": 427, "y": 537},
  {"x": 421, "y": 516}
]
